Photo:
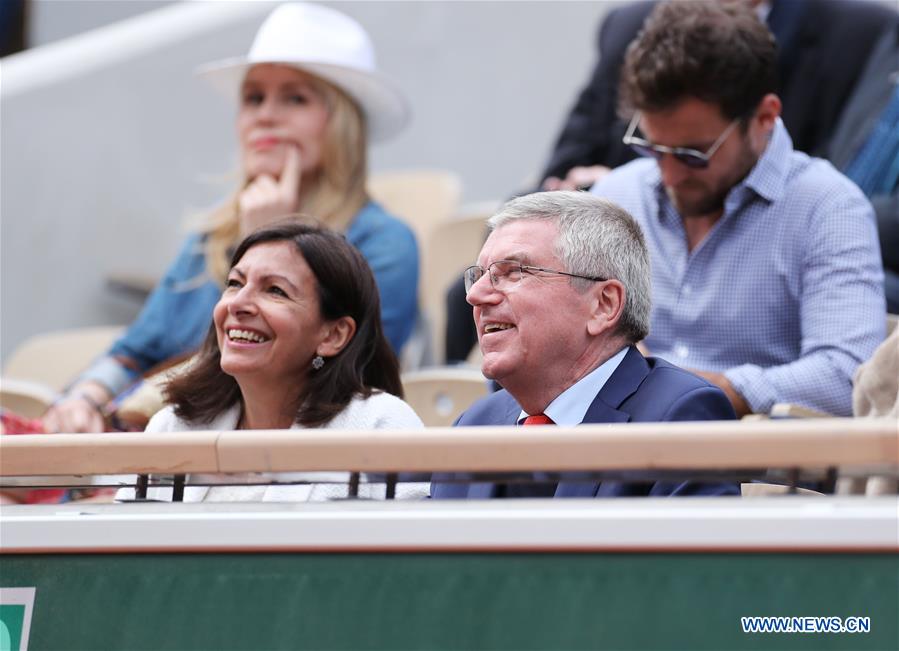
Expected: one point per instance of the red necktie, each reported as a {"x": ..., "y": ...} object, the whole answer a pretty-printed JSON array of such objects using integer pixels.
[{"x": 534, "y": 488}]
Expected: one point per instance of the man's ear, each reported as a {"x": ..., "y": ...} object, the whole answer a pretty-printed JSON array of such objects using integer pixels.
[
  {"x": 766, "y": 115},
  {"x": 607, "y": 306},
  {"x": 338, "y": 334}
]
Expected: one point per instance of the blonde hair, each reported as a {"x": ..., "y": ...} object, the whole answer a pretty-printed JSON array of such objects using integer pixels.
[{"x": 336, "y": 194}]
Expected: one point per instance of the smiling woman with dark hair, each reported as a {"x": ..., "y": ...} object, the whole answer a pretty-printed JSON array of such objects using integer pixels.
[{"x": 296, "y": 342}]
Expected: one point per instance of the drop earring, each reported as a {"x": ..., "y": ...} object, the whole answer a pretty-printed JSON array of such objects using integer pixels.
[{"x": 317, "y": 362}]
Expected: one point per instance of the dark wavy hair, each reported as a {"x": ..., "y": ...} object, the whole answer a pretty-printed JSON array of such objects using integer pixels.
[
  {"x": 717, "y": 52},
  {"x": 346, "y": 287}
]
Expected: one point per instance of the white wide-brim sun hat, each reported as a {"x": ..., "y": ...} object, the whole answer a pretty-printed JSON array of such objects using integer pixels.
[{"x": 329, "y": 45}]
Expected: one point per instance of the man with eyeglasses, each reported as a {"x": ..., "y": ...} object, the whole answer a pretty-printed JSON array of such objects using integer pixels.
[
  {"x": 766, "y": 269},
  {"x": 561, "y": 293}
]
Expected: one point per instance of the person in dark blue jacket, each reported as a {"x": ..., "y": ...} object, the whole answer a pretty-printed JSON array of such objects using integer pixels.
[{"x": 561, "y": 295}]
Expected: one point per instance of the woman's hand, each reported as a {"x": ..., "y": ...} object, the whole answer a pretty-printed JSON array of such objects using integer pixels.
[
  {"x": 79, "y": 410},
  {"x": 266, "y": 199}
]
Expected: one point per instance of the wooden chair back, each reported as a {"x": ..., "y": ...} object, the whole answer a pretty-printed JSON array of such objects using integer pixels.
[
  {"x": 55, "y": 358},
  {"x": 439, "y": 395}
]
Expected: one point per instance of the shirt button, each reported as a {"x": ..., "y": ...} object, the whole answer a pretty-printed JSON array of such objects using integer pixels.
[
  {"x": 687, "y": 290},
  {"x": 681, "y": 351}
]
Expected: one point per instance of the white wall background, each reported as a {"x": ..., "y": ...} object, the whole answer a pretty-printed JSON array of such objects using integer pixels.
[{"x": 107, "y": 141}]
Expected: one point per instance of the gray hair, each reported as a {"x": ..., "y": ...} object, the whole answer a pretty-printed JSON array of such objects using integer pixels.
[{"x": 596, "y": 238}]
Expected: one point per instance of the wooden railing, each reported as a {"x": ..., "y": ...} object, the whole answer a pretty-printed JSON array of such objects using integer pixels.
[{"x": 832, "y": 442}]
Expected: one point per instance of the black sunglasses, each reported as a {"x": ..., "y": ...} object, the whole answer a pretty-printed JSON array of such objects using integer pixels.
[{"x": 692, "y": 158}]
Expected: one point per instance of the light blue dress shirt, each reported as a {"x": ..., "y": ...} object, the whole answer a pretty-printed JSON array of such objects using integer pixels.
[
  {"x": 177, "y": 314},
  {"x": 784, "y": 295},
  {"x": 570, "y": 406}
]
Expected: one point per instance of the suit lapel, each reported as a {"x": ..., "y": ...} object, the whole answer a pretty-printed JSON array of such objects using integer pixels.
[{"x": 622, "y": 384}]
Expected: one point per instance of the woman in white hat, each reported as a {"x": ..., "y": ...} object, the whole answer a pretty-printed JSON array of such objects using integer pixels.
[{"x": 310, "y": 98}]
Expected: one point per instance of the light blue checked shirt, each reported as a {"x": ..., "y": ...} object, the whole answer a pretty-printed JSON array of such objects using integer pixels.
[{"x": 784, "y": 295}]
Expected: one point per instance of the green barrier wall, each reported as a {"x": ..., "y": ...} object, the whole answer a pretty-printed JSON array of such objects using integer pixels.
[{"x": 450, "y": 601}]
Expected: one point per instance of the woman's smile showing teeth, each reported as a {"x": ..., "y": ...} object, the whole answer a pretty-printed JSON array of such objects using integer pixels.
[
  {"x": 268, "y": 321},
  {"x": 246, "y": 336}
]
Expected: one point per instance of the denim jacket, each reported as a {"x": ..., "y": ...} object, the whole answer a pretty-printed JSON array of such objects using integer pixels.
[{"x": 177, "y": 314}]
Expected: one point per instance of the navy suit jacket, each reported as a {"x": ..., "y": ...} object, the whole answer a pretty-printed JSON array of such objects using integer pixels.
[{"x": 642, "y": 389}]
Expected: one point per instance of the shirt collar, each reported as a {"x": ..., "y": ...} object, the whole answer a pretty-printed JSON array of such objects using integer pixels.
[
  {"x": 570, "y": 406},
  {"x": 768, "y": 176}
]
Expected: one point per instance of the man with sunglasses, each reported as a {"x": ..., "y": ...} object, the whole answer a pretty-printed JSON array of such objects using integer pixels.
[
  {"x": 822, "y": 49},
  {"x": 561, "y": 293},
  {"x": 765, "y": 262}
]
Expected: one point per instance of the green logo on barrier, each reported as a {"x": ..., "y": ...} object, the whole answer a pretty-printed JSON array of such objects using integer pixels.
[
  {"x": 12, "y": 618},
  {"x": 16, "y": 605}
]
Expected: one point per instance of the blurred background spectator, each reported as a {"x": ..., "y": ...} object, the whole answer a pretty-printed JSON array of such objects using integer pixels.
[
  {"x": 865, "y": 146},
  {"x": 13, "y": 26}
]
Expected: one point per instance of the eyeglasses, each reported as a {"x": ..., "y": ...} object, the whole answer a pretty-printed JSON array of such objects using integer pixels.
[
  {"x": 692, "y": 158},
  {"x": 506, "y": 274}
]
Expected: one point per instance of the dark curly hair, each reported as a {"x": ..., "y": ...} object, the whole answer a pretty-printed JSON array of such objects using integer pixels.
[
  {"x": 717, "y": 52},
  {"x": 346, "y": 287}
]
